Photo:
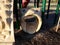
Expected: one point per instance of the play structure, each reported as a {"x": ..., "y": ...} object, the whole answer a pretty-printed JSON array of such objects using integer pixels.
[{"x": 30, "y": 20}]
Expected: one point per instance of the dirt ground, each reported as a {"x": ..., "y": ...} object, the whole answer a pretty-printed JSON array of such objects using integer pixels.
[{"x": 43, "y": 37}]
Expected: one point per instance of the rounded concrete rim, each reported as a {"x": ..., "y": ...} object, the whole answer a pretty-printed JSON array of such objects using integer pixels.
[{"x": 39, "y": 25}]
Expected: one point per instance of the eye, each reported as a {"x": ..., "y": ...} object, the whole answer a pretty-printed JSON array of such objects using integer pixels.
[
  {"x": 36, "y": 10},
  {"x": 23, "y": 10}
]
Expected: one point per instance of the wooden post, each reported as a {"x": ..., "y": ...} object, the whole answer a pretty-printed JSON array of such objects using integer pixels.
[{"x": 16, "y": 24}]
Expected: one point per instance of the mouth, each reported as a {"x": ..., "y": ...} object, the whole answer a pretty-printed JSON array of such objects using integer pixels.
[{"x": 30, "y": 18}]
